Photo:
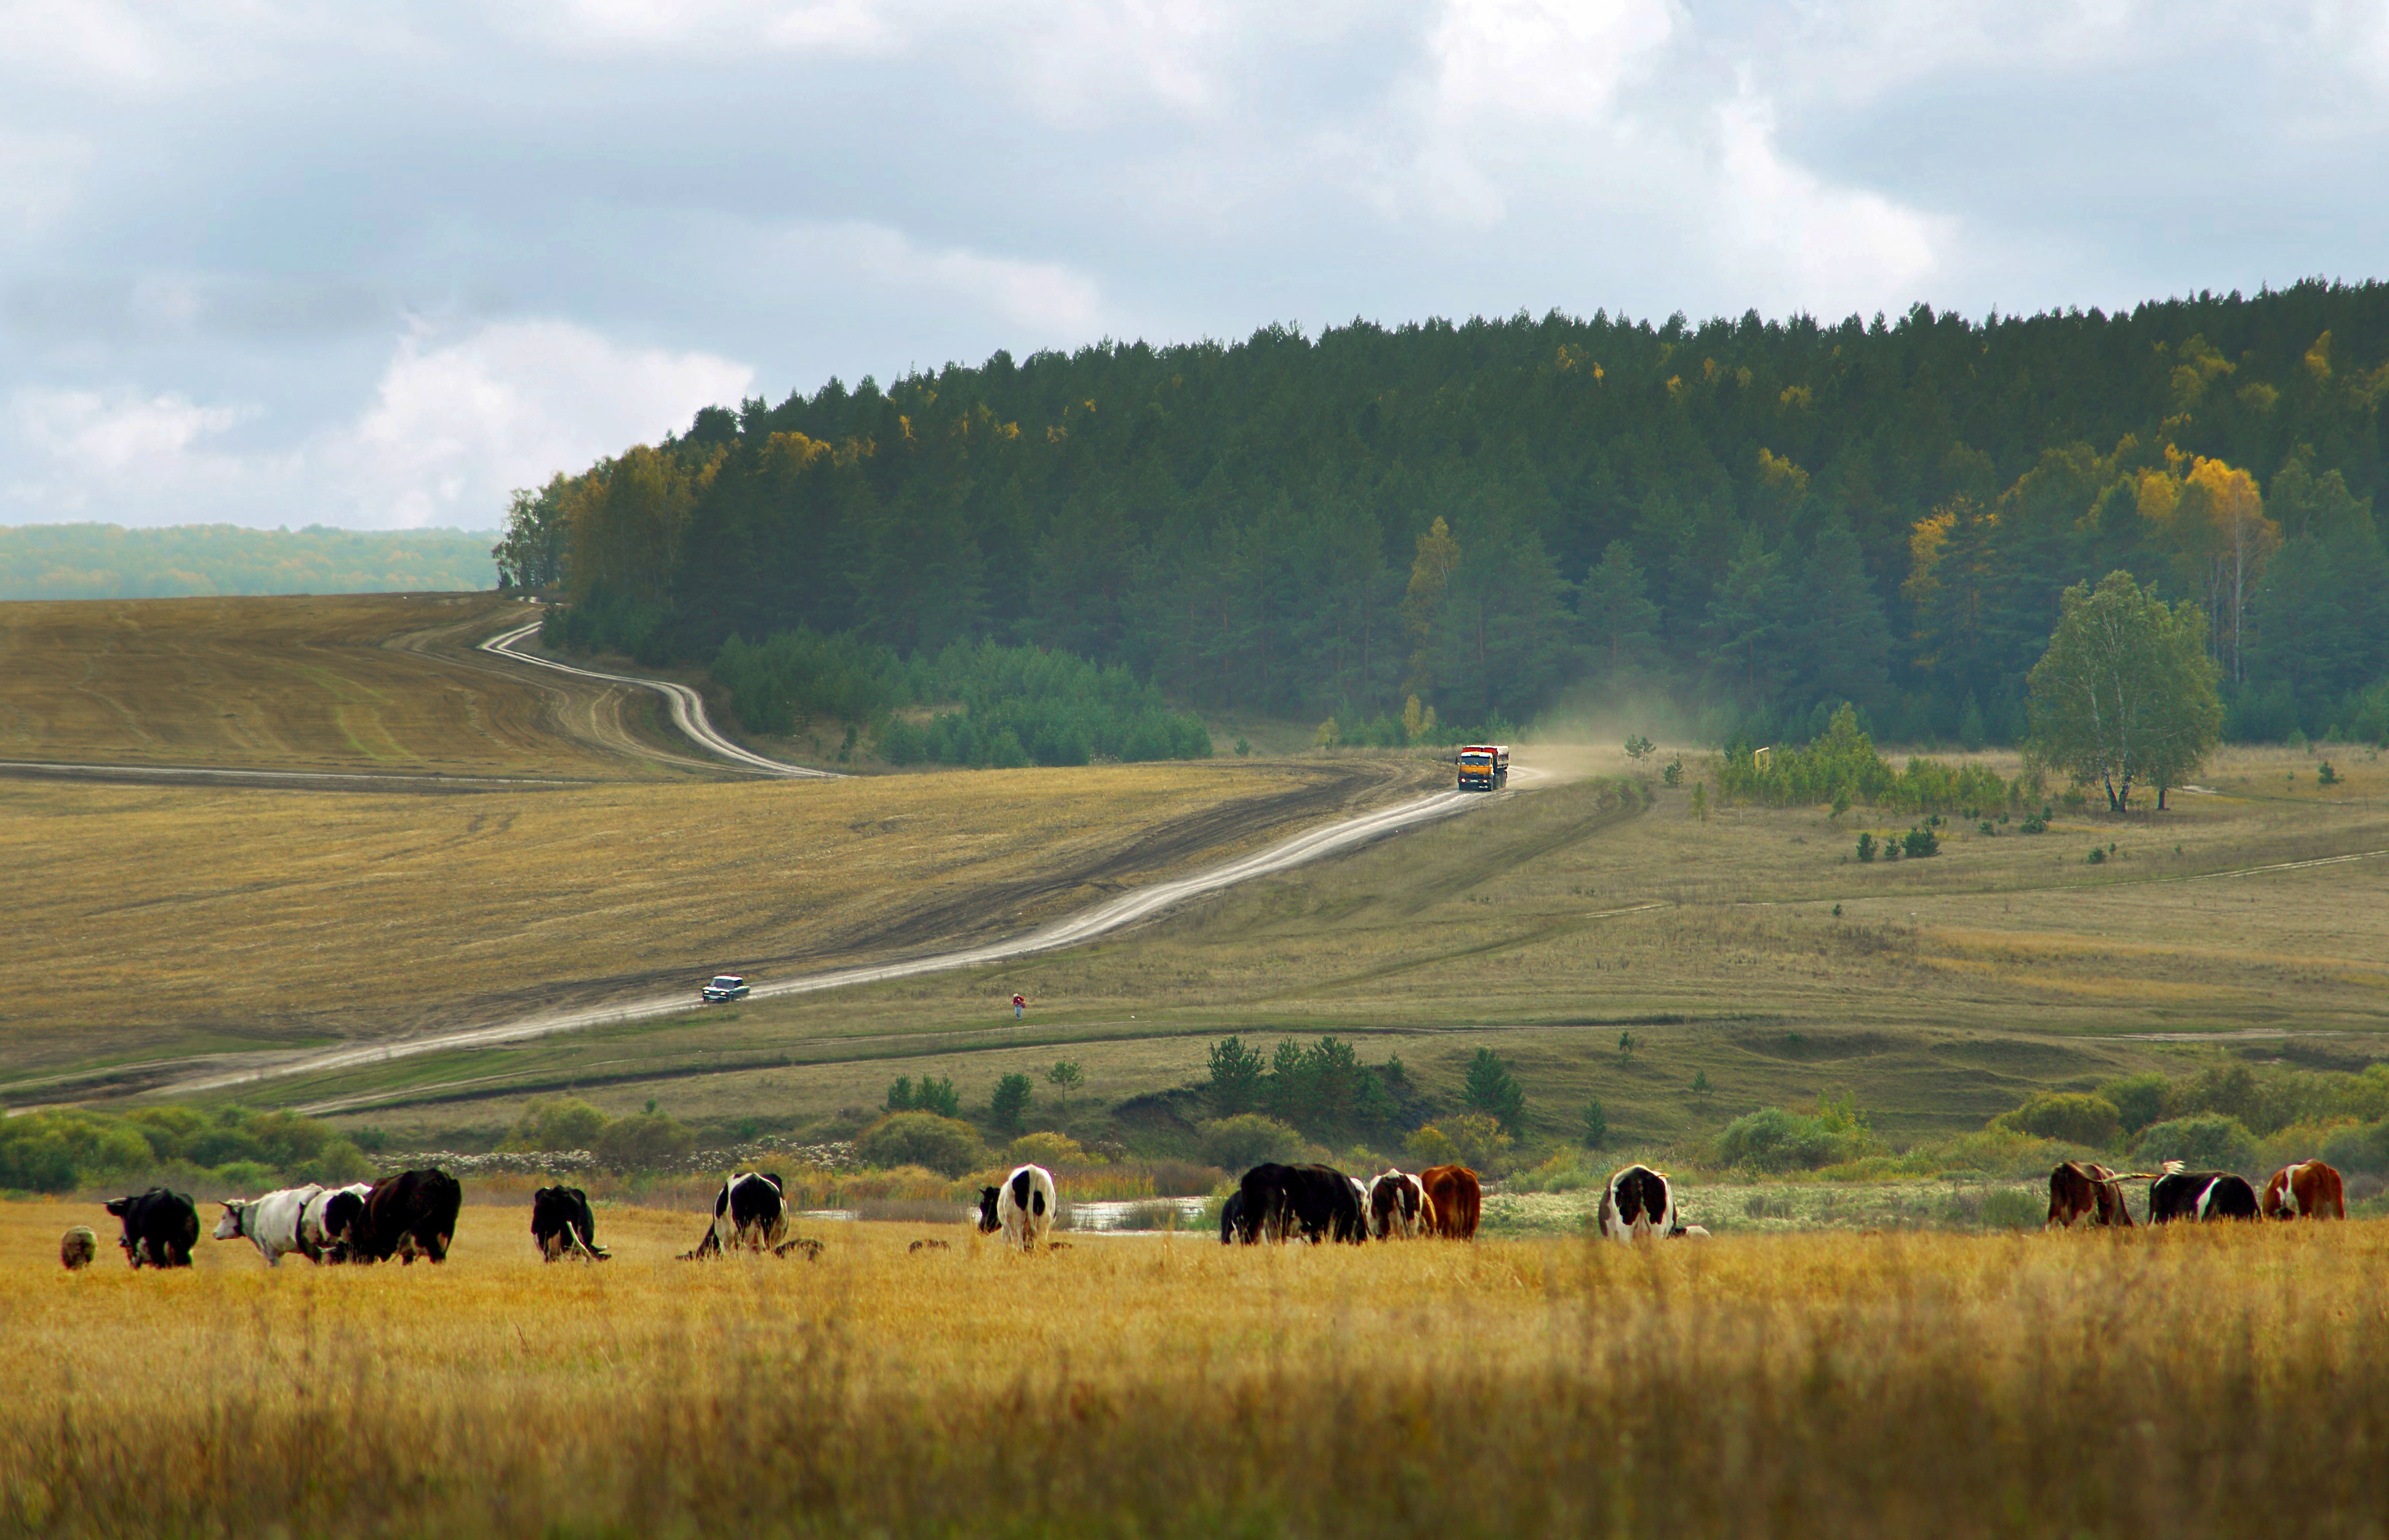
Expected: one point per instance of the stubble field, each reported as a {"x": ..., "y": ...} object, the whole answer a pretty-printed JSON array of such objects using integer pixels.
[{"x": 2225, "y": 1380}]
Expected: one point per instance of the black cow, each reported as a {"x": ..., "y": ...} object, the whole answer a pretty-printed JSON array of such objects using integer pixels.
[
  {"x": 1319, "y": 1201},
  {"x": 748, "y": 1211},
  {"x": 1232, "y": 1219},
  {"x": 344, "y": 1228},
  {"x": 2198, "y": 1195},
  {"x": 161, "y": 1227},
  {"x": 410, "y": 1215},
  {"x": 561, "y": 1223}
]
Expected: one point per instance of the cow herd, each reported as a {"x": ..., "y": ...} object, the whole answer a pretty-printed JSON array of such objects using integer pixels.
[
  {"x": 2087, "y": 1192},
  {"x": 414, "y": 1212}
]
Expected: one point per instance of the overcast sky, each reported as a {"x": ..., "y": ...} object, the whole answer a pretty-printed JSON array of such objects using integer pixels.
[{"x": 375, "y": 263}]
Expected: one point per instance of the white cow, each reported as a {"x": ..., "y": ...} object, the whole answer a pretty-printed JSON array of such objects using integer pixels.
[
  {"x": 271, "y": 1221},
  {"x": 1022, "y": 1208}
]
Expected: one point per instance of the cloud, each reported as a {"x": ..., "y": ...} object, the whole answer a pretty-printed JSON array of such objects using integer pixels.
[
  {"x": 455, "y": 423},
  {"x": 40, "y": 174},
  {"x": 1047, "y": 299}
]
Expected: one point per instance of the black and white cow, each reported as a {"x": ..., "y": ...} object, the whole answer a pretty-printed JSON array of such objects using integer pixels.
[
  {"x": 161, "y": 1227},
  {"x": 410, "y": 1215},
  {"x": 562, "y": 1225},
  {"x": 749, "y": 1211},
  {"x": 1398, "y": 1207},
  {"x": 2200, "y": 1195},
  {"x": 272, "y": 1223},
  {"x": 1637, "y": 1202},
  {"x": 1022, "y": 1208},
  {"x": 334, "y": 1223},
  {"x": 1318, "y": 1201}
]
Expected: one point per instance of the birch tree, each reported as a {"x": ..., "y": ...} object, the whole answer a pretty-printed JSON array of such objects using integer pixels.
[{"x": 2125, "y": 692}]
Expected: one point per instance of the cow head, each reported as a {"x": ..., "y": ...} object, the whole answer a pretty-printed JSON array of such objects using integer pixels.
[
  {"x": 229, "y": 1228},
  {"x": 987, "y": 1223}
]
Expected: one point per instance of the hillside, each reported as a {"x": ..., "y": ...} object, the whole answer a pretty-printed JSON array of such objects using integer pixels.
[
  {"x": 106, "y": 561},
  {"x": 1759, "y": 518}
]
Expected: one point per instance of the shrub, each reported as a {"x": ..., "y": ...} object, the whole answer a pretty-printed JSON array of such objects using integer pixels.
[
  {"x": 1775, "y": 1139},
  {"x": 1237, "y": 1144},
  {"x": 643, "y": 1141},
  {"x": 942, "y": 1144},
  {"x": 2139, "y": 1099},
  {"x": 1921, "y": 842},
  {"x": 1469, "y": 1139},
  {"x": 1047, "y": 1149},
  {"x": 556, "y": 1123},
  {"x": 2206, "y": 1142},
  {"x": 2363, "y": 1148},
  {"x": 2005, "y": 1208},
  {"x": 1865, "y": 847},
  {"x": 2071, "y": 1116}
]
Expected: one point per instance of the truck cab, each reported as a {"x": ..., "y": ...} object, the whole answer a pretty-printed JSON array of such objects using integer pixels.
[{"x": 1484, "y": 766}]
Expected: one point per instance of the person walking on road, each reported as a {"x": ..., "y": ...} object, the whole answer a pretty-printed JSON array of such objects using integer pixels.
[{"x": 1019, "y": 1003}]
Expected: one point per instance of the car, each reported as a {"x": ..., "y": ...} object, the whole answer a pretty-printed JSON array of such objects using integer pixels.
[{"x": 725, "y": 986}]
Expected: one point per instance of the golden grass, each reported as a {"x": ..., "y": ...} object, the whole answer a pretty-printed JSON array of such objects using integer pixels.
[
  {"x": 143, "y": 916},
  {"x": 384, "y": 684},
  {"x": 2220, "y": 1381}
]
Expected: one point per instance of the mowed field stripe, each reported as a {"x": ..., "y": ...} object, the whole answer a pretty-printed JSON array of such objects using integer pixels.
[{"x": 1114, "y": 914}]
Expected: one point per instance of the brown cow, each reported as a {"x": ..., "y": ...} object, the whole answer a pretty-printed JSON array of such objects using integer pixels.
[
  {"x": 1453, "y": 1193},
  {"x": 2082, "y": 1189},
  {"x": 2307, "y": 1191}
]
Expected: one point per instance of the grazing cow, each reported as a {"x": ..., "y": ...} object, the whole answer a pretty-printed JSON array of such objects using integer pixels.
[
  {"x": 1318, "y": 1201},
  {"x": 562, "y": 1226},
  {"x": 2308, "y": 1191},
  {"x": 2085, "y": 1190},
  {"x": 2200, "y": 1195},
  {"x": 333, "y": 1223},
  {"x": 161, "y": 1227},
  {"x": 1022, "y": 1208},
  {"x": 272, "y": 1222},
  {"x": 1398, "y": 1208},
  {"x": 1453, "y": 1193},
  {"x": 410, "y": 1215},
  {"x": 930, "y": 1246},
  {"x": 749, "y": 1211},
  {"x": 1638, "y": 1202},
  {"x": 807, "y": 1246},
  {"x": 1232, "y": 1219},
  {"x": 77, "y": 1248}
]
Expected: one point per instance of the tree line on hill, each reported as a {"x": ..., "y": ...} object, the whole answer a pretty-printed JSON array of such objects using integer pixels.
[
  {"x": 106, "y": 561},
  {"x": 1763, "y": 517}
]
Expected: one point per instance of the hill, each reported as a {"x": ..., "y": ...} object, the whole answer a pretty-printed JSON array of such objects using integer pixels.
[
  {"x": 1759, "y": 517},
  {"x": 106, "y": 561}
]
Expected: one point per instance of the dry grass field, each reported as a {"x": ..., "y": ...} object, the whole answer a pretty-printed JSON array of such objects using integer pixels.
[
  {"x": 146, "y": 922},
  {"x": 2224, "y": 1381},
  {"x": 1944, "y": 991},
  {"x": 381, "y": 683}
]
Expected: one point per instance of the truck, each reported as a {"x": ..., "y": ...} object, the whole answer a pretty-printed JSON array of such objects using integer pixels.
[{"x": 1484, "y": 766}]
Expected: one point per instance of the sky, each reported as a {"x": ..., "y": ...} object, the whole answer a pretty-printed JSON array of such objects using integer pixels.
[{"x": 377, "y": 263}]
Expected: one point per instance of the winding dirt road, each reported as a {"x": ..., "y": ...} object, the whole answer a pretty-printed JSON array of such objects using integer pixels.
[
  {"x": 687, "y": 708},
  {"x": 1111, "y": 915}
]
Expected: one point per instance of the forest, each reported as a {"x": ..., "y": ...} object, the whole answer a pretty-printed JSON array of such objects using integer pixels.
[
  {"x": 1505, "y": 518},
  {"x": 106, "y": 561}
]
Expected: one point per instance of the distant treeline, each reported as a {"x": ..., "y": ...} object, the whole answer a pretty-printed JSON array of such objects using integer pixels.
[
  {"x": 61, "y": 1148},
  {"x": 105, "y": 561},
  {"x": 1763, "y": 517}
]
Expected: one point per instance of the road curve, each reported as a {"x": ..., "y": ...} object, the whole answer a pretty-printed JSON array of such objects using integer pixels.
[
  {"x": 1072, "y": 930},
  {"x": 687, "y": 708}
]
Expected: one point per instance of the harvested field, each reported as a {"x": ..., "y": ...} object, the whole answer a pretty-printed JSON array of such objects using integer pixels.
[
  {"x": 2028, "y": 1384},
  {"x": 384, "y": 683},
  {"x": 190, "y": 920}
]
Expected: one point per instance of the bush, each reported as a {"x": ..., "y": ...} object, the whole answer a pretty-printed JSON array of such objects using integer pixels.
[
  {"x": 1921, "y": 842},
  {"x": 2207, "y": 1141},
  {"x": 1237, "y": 1144},
  {"x": 2363, "y": 1149},
  {"x": 643, "y": 1142},
  {"x": 1596, "y": 1124},
  {"x": 1048, "y": 1149},
  {"x": 942, "y": 1144},
  {"x": 556, "y": 1123},
  {"x": 2071, "y": 1116},
  {"x": 1469, "y": 1139},
  {"x": 1775, "y": 1139},
  {"x": 2005, "y": 1208},
  {"x": 2139, "y": 1099},
  {"x": 1865, "y": 847}
]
